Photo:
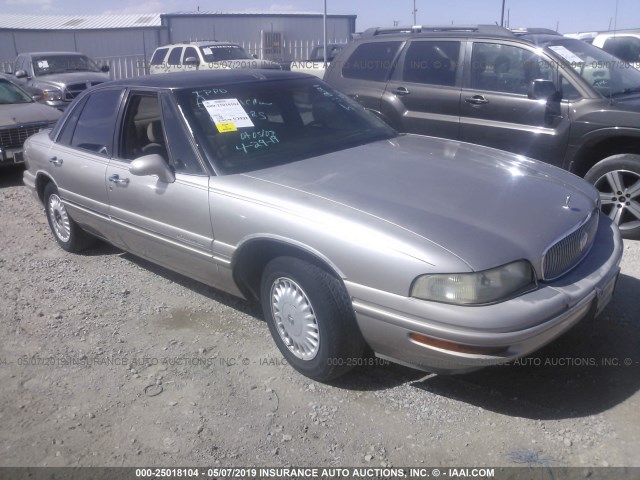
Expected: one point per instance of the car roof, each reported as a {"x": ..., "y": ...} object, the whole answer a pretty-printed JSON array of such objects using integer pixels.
[
  {"x": 200, "y": 43},
  {"x": 457, "y": 31},
  {"x": 204, "y": 78},
  {"x": 54, "y": 53}
]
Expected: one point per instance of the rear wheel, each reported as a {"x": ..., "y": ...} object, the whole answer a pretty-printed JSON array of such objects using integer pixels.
[
  {"x": 66, "y": 232},
  {"x": 617, "y": 178},
  {"x": 310, "y": 318}
]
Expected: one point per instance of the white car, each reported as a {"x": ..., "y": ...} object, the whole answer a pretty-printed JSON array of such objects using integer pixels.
[
  {"x": 205, "y": 55},
  {"x": 624, "y": 44}
]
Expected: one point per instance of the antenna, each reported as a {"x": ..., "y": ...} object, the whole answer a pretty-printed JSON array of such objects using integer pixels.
[{"x": 415, "y": 11}]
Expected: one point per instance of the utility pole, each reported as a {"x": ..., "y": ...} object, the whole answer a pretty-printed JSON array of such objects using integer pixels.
[
  {"x": 502, "y": 16},
  {"x": 415, "y": 11},
  {"x": 324, "y": 33}
]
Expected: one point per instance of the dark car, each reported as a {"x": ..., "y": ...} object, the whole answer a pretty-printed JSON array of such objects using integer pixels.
[
  {"x": 535, "y": 93},
  {"x": 56, "y": 78},
  {"x": 20, "y": 117}
]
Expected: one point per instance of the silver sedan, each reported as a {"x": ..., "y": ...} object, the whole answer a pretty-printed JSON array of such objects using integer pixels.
[{"x": 272, "y": 186}]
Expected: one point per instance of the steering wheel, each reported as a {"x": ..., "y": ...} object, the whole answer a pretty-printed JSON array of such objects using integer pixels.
[{"x": 601, "y": 83}]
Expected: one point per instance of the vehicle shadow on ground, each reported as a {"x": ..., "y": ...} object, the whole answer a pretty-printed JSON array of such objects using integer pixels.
[
  {"x": 250, "y": 308},
  {"x": 364, "y": 378},
  {"x": 592, "y": 368},
  {"x": 11, "y": 176}
]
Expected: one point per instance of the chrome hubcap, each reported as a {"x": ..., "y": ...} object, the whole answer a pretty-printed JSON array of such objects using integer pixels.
[
  {"x": 295, "y": 319},
  {"x": 59, "y": 218},
  {"x": 620, "y": 197}
]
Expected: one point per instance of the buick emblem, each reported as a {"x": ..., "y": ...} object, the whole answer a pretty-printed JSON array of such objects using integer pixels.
[
  {"x": 567, "y": 203},
  {"x": 584, "y": 238}
]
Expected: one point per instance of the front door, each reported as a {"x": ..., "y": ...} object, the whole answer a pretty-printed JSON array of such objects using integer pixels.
[
  {"x": 167, "y": 223},
  {"x": 497, "y": 111}
]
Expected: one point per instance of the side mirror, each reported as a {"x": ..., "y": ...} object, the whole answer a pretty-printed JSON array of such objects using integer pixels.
[
  {"x": 21, "y": 74},
  {"x": 153, "y": 164},
  {"x": 191, "y": 61},
  {"x": 543, "y": 90},
  {"x": 104, "y": 68}
]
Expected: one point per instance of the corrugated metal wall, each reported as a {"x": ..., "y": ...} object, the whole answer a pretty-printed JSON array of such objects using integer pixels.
[
  {"x": 248, "y": 29},
  {"x": 128, "y": 50}
]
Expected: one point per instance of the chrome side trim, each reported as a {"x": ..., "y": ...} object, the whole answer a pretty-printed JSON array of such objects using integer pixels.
[{"x": 506, "y": 125}]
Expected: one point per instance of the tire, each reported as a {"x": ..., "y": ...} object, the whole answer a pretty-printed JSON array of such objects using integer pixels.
[
  {"x": 330, "y": 342},
  {"x": 66, "y": 232},
  {"x": 617, "y": 178}
]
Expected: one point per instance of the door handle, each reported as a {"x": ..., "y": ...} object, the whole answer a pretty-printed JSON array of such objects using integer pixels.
[
  {"x": 401, "y": 91},
  {"x": 55, "y": 161},
  {"x": 115, "y": 178},
  {"x": 476, "y": 100}
]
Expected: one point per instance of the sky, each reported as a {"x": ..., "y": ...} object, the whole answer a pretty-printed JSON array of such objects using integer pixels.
[{"x": 565, "y": 15}]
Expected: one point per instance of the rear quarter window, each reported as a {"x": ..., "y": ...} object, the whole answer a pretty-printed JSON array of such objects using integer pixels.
[
  {"x": 158, "y": 56},
  {"x": 371, "y": 61}
]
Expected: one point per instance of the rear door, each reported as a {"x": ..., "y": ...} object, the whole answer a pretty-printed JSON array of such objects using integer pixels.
[
  {"x": 363, "y": 76},
  {"x": 167, "y": 223},
  {"x": 423, "y": 95},
  {"x": 79, "y": 160},
  {"x": 496, "y": 110}
]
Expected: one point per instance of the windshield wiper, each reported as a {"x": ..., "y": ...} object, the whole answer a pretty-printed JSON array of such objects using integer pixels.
[{"x": 626, "y": 91}]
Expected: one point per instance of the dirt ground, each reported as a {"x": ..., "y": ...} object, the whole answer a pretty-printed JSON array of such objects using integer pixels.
[{"x": 107, "y": 360}]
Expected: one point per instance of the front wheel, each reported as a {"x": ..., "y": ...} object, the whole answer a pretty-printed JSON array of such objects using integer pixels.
[
  {"x": 66, "y": 232},
  {"x": 617, "y": 178},
  {"x": 310, "y": 318}
]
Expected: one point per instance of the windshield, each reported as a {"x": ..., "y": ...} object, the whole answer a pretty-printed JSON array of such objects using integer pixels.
[
  {"x": 9, "y": 94},
  {"x": 218, "y": 53},
  {"x": 50, "y": 64},
  {"x": 257, "y": 125},
  {"x": 609, "y": 75}
]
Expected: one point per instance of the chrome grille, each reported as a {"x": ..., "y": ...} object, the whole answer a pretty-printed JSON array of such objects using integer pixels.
[
  {"x": 77, "y": 88},
  {"x": 570, "y": 250},
  {"x": 14, "y": 137}
]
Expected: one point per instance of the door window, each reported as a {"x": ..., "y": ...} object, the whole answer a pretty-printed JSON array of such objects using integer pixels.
[
  {"x": 95, "y": 127},
  {"x": 503, "y": 68},
  {"x": 431, "y": 62},
  {"x": 174, "y": 56},
  {"x": 371, "y": 61},
  {"x": 190, "y": 52},
  {"x": 142, "y": 132}
]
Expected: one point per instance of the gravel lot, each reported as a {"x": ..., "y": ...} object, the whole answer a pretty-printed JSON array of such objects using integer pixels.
[{"x": 107, "y": 360}]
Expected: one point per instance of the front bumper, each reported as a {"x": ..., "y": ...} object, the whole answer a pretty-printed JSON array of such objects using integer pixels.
[{"x": 506, "y": 331}]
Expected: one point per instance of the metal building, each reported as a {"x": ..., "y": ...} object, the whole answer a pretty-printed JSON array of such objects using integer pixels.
[{"x": 126, "y": 42}]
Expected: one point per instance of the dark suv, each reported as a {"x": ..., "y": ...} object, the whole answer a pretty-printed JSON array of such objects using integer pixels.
[{"x": 532, "y": 92}]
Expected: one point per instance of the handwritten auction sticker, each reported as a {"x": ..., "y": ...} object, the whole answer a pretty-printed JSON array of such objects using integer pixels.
[{"x": 227, "y": 114}]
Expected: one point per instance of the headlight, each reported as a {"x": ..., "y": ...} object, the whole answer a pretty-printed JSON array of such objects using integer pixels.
[
  {"x": 52, "y": 95},
  {"x": 477, "y": 288}
]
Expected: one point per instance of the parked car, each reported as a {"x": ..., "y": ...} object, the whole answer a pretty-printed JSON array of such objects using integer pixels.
[
  {"x": 56, "y": 78},
  {"x": 556, "y": 99},
  {"x": 273, "y": 186},
  {"x": 314, "y": 65},
  {"x": 20, "y": 117},
  {"x": 205, "y": 55},
  {"x": 624, "y": 44}
]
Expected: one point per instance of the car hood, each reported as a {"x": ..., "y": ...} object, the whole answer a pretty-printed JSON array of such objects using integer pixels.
[
  {"x": 21, "y": 113},
  {"x": 486, "y": 206},
  {"x": 61, "y": 80}
]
